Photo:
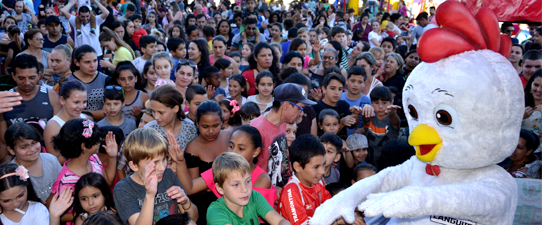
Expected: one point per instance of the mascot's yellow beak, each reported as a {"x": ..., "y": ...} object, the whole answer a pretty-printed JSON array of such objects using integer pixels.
[{"x": 427, "y": 142}]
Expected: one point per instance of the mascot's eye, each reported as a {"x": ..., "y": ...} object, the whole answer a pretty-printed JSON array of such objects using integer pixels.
[
  {"x": 412, "y": 111},
  {"x": 444, "y": 117}
]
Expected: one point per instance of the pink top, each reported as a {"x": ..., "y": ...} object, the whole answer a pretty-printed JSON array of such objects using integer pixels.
[
  {"x": 269, "y": 194},
  {"x": 306, "y": 60},
  {"x": 269, "y": 131},
  {"x": 67, "y": 178},
  {"x": 212, "y": 61}
]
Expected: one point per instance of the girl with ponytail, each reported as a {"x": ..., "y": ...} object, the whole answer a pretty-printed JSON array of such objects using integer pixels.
[{"x": 110, "y": 41}]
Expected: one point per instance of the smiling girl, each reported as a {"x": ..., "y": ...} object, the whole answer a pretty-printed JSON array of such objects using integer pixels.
[
  {"x": 23, "y": 142},
  {"x": 237, "y": 87}
]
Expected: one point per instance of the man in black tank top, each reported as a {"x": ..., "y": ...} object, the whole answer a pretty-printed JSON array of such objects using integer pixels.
[
  {"x": 55, "y": 36},
  {"x": 39, "y": 104}
]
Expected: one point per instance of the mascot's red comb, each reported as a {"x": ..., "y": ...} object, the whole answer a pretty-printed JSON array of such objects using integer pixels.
[{"x": 460, "y": 31}]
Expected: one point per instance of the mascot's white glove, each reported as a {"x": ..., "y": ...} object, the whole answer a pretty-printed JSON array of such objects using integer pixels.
[{"x": 405, "y": 202}]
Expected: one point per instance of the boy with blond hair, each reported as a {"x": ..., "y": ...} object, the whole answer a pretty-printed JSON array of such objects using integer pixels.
[
  {"x": 152, "y": 191},
  {"x": 240, "y": 204}
]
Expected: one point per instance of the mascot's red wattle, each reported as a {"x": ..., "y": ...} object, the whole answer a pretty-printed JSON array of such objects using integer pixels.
[{"x": 462, "y": 108}]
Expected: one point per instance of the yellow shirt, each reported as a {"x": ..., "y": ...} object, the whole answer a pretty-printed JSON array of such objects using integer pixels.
[
  {"x": 210, "y": 43},
  {"x": 122, "y": 54},
  {"x": 383, "y": 25}
]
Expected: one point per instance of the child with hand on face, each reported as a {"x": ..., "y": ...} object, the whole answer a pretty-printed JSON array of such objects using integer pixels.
[
  {"x": 152, "y": 191},
  {"x": 356, "y": 154},
  {"x": 212, "y": 77}
]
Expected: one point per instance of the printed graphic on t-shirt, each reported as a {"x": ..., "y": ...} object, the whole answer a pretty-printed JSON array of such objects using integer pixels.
[
  {"x": 279, "y": 158},
  {"x": 163, "y": 206},
  {"x": 95, "y": 99},
  {"x": 450, "y": 221}
]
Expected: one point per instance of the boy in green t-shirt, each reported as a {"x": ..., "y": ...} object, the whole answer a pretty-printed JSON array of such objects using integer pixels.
[{"x": 239, "y": 204}]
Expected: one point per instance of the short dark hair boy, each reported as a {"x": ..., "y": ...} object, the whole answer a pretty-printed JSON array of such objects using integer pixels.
[{"x": 333, "y": 145}]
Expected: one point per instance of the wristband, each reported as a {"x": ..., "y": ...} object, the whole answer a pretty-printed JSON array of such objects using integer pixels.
[{"x": 188, "y": 206}]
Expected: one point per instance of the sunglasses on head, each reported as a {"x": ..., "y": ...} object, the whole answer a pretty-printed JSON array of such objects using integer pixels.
[{"x": 118, "y": 88}]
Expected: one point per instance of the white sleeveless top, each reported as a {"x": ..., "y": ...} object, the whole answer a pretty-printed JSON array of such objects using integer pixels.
[{"x": 62, "y": 122}]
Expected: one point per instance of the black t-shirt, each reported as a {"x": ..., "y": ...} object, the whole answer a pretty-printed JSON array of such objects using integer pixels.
[
  {"x": 305, "y": 126},
  {"x": 397, "y": 81},
  {"x": 342, "y": 108},
  {"x": 16, "y": 50}
]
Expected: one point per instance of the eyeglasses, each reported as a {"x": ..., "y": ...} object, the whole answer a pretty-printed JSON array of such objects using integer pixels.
[
  {"x": 118, "y": 88},
  {"x": 328, "y": 57},
  {"x": 39, "y": 39},
  {"x": 302, "y": 108}
]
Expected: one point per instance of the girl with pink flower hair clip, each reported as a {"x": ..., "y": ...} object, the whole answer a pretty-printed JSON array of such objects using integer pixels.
[
  {"x": 79, "y": 141},
  {"x": 18, "y": 201},
  {"x": 231, "y": 115}
]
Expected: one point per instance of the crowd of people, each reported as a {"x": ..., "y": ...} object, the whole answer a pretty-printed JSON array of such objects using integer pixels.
[{"x": 245, "y": 112}]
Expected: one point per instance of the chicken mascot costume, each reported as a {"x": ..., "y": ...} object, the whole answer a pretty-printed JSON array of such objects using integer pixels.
[{"x": 464, "y": 106}]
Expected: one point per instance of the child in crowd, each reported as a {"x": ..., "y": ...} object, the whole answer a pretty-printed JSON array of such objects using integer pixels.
[
  {"x": 177, "y": 49},
  {"x": 354, "y": 96},
  {"x": 92, "y": 195},
  {"x": 335, "y": 188},
  {"x": 152, "y": 191},
  {"x": 300, "y": 46},
  {"x": 78, "y": 141},
  {"x": 212, "y": 139},
  {"x": 338, "y": 34},
  {"x": 238, "y": 88},
  {"x": 138, "y": 31},
  {"x": 209, "y": 33},
  {"x": 246, "y": 141},
  {"x": 249, "y": 112},
  {"x": 147, "y": 45},
  {"x": 24, "y": 142},
  {"x": 363, "y": 170},
  {"x": 357, "y": 144},
  {"x": 146, "y": 117},
  {"x": 113, "y": 104},
  {"x": 329, "y": 121},
  {"x": 323, "y": 35},
  {"x": 195, "y": 95},
  {"x": 382, "y": 127},
  {"x": 265, "y": 84},
  {"x": 240, "y": 204},
  {"x": 291, "y": 130},
  {"x": 149, "y": 78},
  {"x": 389, "y": 31},
  {"x": 162, "y": 65},
  {"x": 246, "y": 52},
  {"x": 231, "y": 117},
  {"x": 379, "y": 55},
  {"x": 176, "y": 219},
  {"x": 226, "y": 70},
  {"x": 333, "y": 145},
  {"x": 212, "y": 77},
  {"x": 305, "y": 190},
  {"x": 85, "y": 3},
  {"x": 122, "y": 51},
  {"x": 19, "y": 201},
  {"x": 332, "y": 88},
  {"x": 237, "y": 57},
  {"x": 127, "y": 76}
]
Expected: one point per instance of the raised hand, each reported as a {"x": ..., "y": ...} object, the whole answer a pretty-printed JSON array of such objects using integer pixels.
[
  {"x": 8, "y": 100},
  {"x": 178, "y": 194},
  {"x": 392, "y": 108},
  {"x": 356, "y": 110},
  {"x": 136, "y": 110},
  {"x": 210, "y": 91},
  {"x": 316, "y": 46},
  {"x": 348, "y": 121},
  {"x": 175, "y": 151},
  {"x": 60, "y": 203},
  {"x": 150, "y": 179},
  {"x": 368, "y": 111},
  {"x": 111, "y": 146},
  {"x": 316, "y": 94}
]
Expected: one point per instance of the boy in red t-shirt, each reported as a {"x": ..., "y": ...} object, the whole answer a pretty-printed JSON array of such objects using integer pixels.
[
  {"x": 305, "y": 190},
  {"x": 138, "y": 31}
]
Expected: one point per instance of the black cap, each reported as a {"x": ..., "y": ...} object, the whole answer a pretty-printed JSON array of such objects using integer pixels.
[
  {"x": 51, "y": 19},
  {"x": 292, "y": 92}
]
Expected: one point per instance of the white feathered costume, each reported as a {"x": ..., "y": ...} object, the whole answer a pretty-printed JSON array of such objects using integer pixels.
[{"x": 464, "y": 111}]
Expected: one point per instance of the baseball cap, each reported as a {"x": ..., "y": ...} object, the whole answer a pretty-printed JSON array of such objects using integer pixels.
[
  {"x": 292, "y": 92},
  {"x": 51, "y": 19},
  {"x": 356, "y": 141}
]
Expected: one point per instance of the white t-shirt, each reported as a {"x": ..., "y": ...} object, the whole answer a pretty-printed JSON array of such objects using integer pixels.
[
  {"x": 373, "y": 35},
  {"x": 86, "y": 37},
  {"x": 396, "y": 28},
  {"x": 429, "y": 26},
  {"x": 139, "y": 64},
  {"x": 36, "y": 213}
]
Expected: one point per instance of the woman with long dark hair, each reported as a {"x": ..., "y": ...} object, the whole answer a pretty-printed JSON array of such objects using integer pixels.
[
  {"x": 224, "y": 30},
  {"x": 198, "y": 51},
  {"x": 263, "y": 58},
  {"x": 533, "y": 105}
]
